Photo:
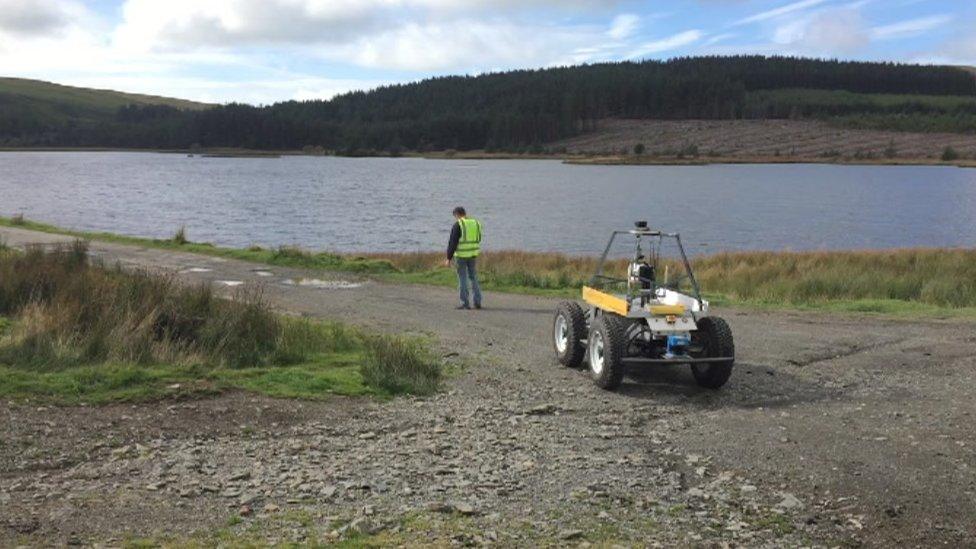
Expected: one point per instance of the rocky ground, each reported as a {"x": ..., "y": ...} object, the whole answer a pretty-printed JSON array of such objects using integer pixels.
[{"x": 834, "y": 430}]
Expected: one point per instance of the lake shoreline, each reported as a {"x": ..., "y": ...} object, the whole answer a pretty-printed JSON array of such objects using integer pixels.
[
  {"x": 570, "y": 159},
  {"x": 899, "y": 281},
  {"x": 325, "y": 203}
]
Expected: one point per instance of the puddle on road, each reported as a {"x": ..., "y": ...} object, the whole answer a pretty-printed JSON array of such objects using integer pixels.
[
  {"x": 263, "y": 273},
  {"x": 323, "y": 284},
  {"x": 231, "y": 283},
  {"x": 196, "y": 270}
]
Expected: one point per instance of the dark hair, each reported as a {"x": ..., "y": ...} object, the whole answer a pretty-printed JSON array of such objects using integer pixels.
[{"x": 460, "y": 211}]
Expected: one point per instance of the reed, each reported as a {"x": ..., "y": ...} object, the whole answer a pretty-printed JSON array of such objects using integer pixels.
[
  {"x": 179, "y": 237},
  {"x": 934, "y": 277},
  {"x": 938, "y": 277}
]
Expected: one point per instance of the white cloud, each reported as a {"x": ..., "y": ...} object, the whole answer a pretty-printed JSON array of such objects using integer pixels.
[
  {"x": 77, "y": 52},
  {"x": 909, "y": 28},
  {"x": 187, "y": 24},
  {"x": 175, "y": 24},
  {"x": 251, "y": 50},
  {"x": 826, "y": 33},
  {"x": 719, "y": 38},
  {"x": 413, "y": 35},
  {"x": 222, "y": 50},
  {"x": 256, "y": 92},
  {"x": 959, "y": 49},
  {"x": 63, "y": 34},
  {"x": 780, "y": 11},
  {"x": 807, "y": 27},
  {"x": 483, "y": 46},
  {"x": 36, "y": 18},
  {"x": 623, "y": 26},
  {"x": 835, "y": 31},
  {"x": 667, "y": 44},
  {"x": 508, "y": 4}
]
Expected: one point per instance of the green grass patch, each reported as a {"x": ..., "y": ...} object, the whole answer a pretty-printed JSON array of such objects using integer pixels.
[
  {"x": 320, "y": 378},
  {"x": 94, "y": 384},
  {"x": 324, "y": 375},
  {"x": 677, "y": 510},
  {"x": 779, "y": 524}
]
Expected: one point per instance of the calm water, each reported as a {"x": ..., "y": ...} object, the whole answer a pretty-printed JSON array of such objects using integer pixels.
[{"x": 405, "y": 204}]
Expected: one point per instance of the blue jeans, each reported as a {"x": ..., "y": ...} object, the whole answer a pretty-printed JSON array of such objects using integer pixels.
[{"x": 466, "y": 270}]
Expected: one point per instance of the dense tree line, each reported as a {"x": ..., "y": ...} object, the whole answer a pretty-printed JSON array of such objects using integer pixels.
[{"x": 507, "y": 111}]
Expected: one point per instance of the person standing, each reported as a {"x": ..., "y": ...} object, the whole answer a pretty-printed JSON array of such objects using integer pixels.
[{"x": 464, "y": 247}]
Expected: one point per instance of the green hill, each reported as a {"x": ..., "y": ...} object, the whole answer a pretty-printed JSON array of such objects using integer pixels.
[
  {"x": 38, "y": 113},
  {"x": 513, "y": 111},
  {"x": 87, "y": 98}
]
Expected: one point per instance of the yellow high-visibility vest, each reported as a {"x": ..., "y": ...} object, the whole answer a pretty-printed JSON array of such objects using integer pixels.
[{"x": 470, "y": 243}]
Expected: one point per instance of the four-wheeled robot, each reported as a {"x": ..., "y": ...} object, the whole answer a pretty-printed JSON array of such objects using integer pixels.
[{"x": 652, "y": 318}]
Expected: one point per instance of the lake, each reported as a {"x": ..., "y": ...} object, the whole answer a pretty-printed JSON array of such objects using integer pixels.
[{"x": 404, "y": 204}]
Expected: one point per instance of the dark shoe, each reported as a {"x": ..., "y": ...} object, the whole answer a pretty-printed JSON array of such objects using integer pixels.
[
  {"x": 477, "y": 306},
  {"x": 462, "y": 308}
]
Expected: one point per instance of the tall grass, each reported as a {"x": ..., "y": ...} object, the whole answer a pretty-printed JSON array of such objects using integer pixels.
[
  {"x": 72, "y": 312},
  {"x": 931, "y": 276},
  {"x": 77, "y": 323},
  {"x": 949, "y": 154},
  {"x": 399, "y": 365},
  {"x": 940, "y": 277},
  {"x": 179, "y": 237}
]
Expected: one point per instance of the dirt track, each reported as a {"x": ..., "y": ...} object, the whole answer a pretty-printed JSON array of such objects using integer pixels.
[{"x": 833, "y": 430}]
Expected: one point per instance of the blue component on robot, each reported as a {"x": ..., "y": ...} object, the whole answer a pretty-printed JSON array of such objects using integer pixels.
[{"x": 677, "y": 346}]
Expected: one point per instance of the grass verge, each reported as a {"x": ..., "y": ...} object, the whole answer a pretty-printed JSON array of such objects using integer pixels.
[
  {"x": 284, "y": 256},
  {"x": 930, "y": 282},
  {"x": 905, "y": 282},
  {"x": 72, "y": 330}
]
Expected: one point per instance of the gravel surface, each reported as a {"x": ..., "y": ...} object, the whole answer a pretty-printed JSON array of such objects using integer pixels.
[{"x": 834, "y": 430}]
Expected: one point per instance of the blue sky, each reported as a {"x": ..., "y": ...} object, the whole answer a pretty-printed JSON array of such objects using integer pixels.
[{"x": 261, "y": 51}]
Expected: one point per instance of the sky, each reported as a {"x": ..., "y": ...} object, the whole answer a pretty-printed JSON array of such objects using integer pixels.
[{"x": 263, "y": 51}]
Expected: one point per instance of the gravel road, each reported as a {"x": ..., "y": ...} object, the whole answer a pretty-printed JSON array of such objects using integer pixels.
[{"x": 834, "y": 430}]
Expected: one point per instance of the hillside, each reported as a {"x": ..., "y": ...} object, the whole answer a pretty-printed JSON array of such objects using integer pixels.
[
  {"x": 33, "y": 112},
  {"x": 88, "y": 98},
  {"x": 527, "y": 110},
  {"x": 762, "y": 140}
]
